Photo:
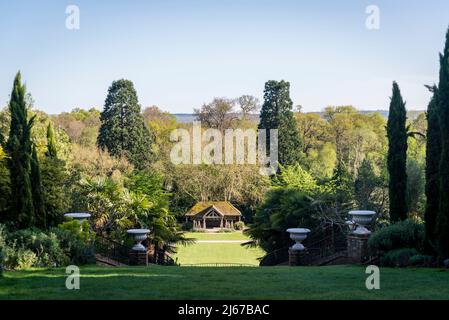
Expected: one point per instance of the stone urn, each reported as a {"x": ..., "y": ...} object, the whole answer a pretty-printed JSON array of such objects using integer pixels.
[
  {"x": 139, "y": 236},
  {"x": 362, "y": 218},
  {"x": 298, "y": 235},
  {"x": 78, "y": 216}
]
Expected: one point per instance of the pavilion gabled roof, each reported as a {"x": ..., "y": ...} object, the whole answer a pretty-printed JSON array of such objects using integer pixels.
[{"x": 225, "y": 208}]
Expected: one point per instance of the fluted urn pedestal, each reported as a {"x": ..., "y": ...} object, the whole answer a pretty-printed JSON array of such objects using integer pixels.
[
  {"x": 357, "y": 239},
  {"x": 297, "y": 250},
  {"x": 138, "y": 254}
]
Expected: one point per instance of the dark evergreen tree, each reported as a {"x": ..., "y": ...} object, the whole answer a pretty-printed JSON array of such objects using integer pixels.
[
  {"x": 123, "y": 131},
  {"x": 397, "y": 156},
  {"x": 18, "y": 148},
  {"x": 277, "y": 113},
  {"x": 442, "y": 233},
  {"x": 37, "y": 193},
  {"x": 433, "y": 155}
]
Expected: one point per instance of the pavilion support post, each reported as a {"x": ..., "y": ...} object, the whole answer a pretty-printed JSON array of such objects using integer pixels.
[{"x": 204, "y": 223}]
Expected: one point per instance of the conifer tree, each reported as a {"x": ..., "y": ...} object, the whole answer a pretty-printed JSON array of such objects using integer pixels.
[
  {"x": 433, "y": 155},
  {"x": 442, "y": 232},
  {"x": 397, "y": 156},
  {"x": 37, "y": 193},
  {"x": 277, "y": 113},
  {"x": 123, "y": 131},
  {"x": 18, "y": 148},
  {"x": 51, "y": 142}
]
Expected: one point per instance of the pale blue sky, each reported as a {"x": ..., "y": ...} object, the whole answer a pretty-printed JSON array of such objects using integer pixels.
[{"x": 182, "y": 53}]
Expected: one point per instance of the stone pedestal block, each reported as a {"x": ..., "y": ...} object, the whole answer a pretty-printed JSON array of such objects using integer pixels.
[
  {"x": 358, "y": 247},
  {"x": 138, "y": 258},
  {"x": 294, "y": 257}
]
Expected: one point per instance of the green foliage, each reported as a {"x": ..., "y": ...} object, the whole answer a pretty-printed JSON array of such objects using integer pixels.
[
  {"x": 297, "y": 178},
  {"x": 397, "y": 156},
  {"x": 433, "y": 155},
  {"x": 54, "y": 182},
  {"x": 403, "y": 234},
  {"x": 283, "y": 208},
  {"x": 341, "y": 186},
  {"x": 74, "y": 244},
  {"x": 442, "y": 227},
  {"x": 45, "y": 246},
  {"x": 28, "y": 248},
  {"x": 415, "y": 196},
  {"x": 5, "y": 186},
  {"x": 81, "y": 232},
  {"x": 367, "y": 187},
  {"x": 37, "y": 191},
  {"x": 18, "y": 148},
  {"x": 399, "y": 257},
  {"x": 123, "y": 131},
  {"x": 107, "y": 200},
  {"x": 239, "y": 225},
  {"x": 277, "y": 113},
  {"x": 421, "y": 260},
  {"x": 51, "y": 142}
]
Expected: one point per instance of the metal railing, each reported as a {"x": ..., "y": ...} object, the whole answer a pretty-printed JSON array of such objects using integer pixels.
[
  {"x": 161, "y": 258},
  {"x": 319, "y": 245},
  {"x": 112, "y": 249}
]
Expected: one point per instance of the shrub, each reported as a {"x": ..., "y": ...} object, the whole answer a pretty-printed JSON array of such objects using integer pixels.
[
  {"x": 199, "y": 230},
  {"x": 18, "y": 258},
  {"x": 225, "y": 230},
  {"x": 398, "y": 257},
  {"x": 404, "y": 234},
  {"x": 34, "y": 248},
  {"x": 46, "y": 247},
  {"x": 77, "y": 250},
  {"x": 421, "y": 260},
  {"x": 82, "y": 232},
  {"x": 25, "y": 259},
  {"x": 239, "y": 225}
]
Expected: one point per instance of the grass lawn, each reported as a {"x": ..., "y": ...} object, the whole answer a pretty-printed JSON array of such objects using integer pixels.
[
  {"x": 335, "y": 282},
  {"x": 218, "y": 252}
]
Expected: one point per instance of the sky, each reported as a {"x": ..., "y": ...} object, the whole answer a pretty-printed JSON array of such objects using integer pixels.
[{"x": 183, "y": 53}]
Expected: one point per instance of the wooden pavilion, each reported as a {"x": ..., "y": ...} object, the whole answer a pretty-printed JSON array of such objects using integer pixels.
[{"x": 213, "y": 214}]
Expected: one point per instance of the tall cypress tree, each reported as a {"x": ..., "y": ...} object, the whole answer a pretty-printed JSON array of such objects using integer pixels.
[
  {"x": 397, "y": 156},
  {"x": 443, "y": 111},
  {"x": 51, "y": 142},
  {"x": 37, "y": 192},
  {"x": 433, "y": 155},
  {"x": 123, "y": 131},
  {"x": 277, "y": 113},
  {"x": 18, "y": 148}
]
